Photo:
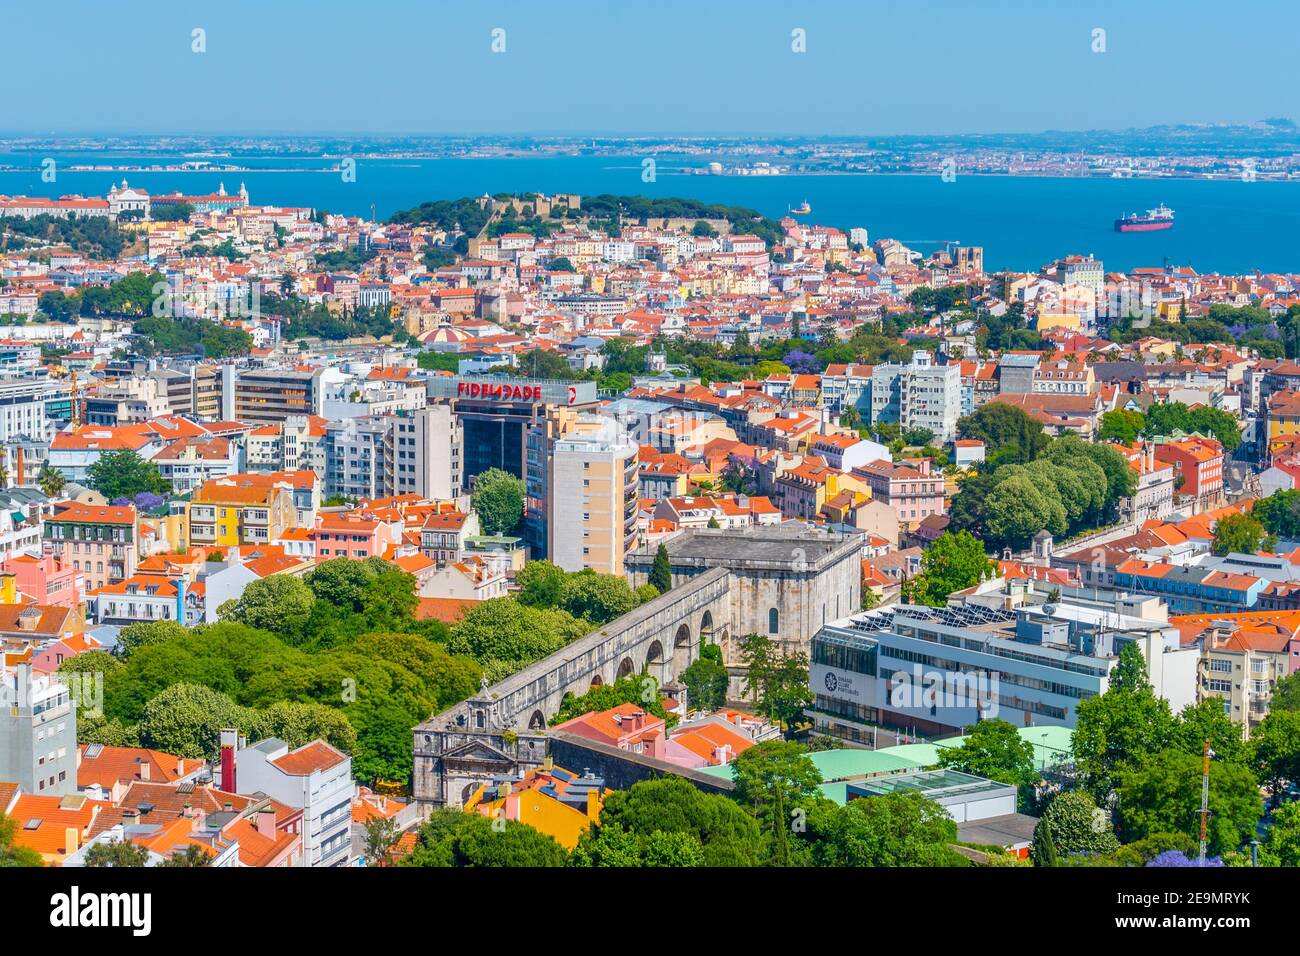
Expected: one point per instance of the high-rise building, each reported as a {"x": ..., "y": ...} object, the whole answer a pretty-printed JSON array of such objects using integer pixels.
[
  {"x": 918, "y": 395},
  {"x": 272, "y": 394},
  {"x": 593, "y": 496},
  {"x": 510, "y": 424},
  {"x": 356, "y": 456},
  {"x": 427, "y": 446},
  {"x": 38, "y": 732}
]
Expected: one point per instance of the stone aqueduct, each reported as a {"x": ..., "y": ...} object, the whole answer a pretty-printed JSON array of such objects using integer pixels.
[
  {"x": 781, "y": 582},
  {"x": 502, "y": 728}
]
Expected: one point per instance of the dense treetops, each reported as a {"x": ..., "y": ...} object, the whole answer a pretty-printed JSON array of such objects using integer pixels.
[
  {"x": 336, "y": 655},
  {"x": 1032, "y": 482}
]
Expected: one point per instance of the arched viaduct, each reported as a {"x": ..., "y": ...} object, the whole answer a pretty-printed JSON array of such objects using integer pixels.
[{"x": 501, "y": 729}]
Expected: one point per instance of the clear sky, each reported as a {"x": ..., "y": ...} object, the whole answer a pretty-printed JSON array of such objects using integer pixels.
[{"x": 643, "y": 66}]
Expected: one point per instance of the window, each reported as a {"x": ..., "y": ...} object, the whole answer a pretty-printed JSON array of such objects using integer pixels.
[{"x": 773, "y": 621}]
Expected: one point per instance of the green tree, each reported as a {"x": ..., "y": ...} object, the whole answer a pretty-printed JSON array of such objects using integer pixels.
[
  {"x": 599, "y": 598},
  {"x": 381, "y": 835},
  {"x": 11, "y": 854},
  {"x": 1005, "y": 427},
  {"x": 499, "y": 500},
  {"x": 1275, "y": 749},
  {"x": 726, "y": 834},
  {"x": 1241, "y": 534},
  {"x": 642, "y": 690},
  {"x": 50, "y": 481},
  {"x": 1286, "y": 693},
  {"x": 953, "y": 563},
  {"x": 1016, "y": 509},
  {"x": 612, "y": 846},
  {"x": 661, "y": 574},
  {"x": 503, "y": 632},
  {"x": 896, "y": 829},
  {"x": 187, "y": 719},
  {"x": 1046, "y": 847},
  {"x": 994, "y": 749},
  {"x": 454, "y": 838},
  {"x": 1279, "y": 513},
  {"x": 706, "y": 680},
  {"x": 1116, "y": 730},
  {"x": 1162, "y": 794},
  {"x": 124, "y": 474},
  {"x": 134, "y": 636},
  {"x": 117, "y": 853},
  {"x": 777, "y": 681},
  {"x": 1130, "y": 673},
  {"x": 1071, "y": 825},
  {"x": 776, "y": 782},
  {"x": 1204, "y": 721},
  {"x": 298, "y": 723},
  {"x": 1283, "y": 837},
  {"x": 280, "y": 604},
  {"x": 541, "y": 584},
  {"x": 192, "y": 855},
  {"x": 1121, "y": 426}
]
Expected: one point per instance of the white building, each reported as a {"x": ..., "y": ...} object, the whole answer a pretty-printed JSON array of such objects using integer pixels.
[{"x": 315, "y": 778}]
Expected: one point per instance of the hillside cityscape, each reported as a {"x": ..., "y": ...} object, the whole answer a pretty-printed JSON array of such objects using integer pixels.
[
  {"x": 746, "y": 448},
  {"x": 624, "y": 527}
]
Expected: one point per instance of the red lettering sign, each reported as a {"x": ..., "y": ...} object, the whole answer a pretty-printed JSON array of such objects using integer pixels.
[{"x": 505, "y": 391}]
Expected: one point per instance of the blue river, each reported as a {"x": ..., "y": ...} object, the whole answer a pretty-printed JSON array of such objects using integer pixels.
[{"x": 1022, "y": 222}]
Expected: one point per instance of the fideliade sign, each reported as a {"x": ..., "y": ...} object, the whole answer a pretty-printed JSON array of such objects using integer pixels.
[{"x": 505, "y": 391}]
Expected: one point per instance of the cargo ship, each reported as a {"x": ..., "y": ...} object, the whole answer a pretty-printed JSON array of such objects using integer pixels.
[{"x": 1162, "y": 217}]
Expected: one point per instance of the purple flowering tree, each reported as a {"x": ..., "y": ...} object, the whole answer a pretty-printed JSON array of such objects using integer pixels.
[{"x": 1177, "y": 858}]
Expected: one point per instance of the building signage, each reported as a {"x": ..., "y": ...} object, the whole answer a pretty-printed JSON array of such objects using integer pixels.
[
  {"x": 840, "y": 684},
  {"x": 505, "y": 389}
]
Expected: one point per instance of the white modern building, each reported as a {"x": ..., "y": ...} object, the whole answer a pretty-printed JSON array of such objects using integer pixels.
[
  {"x": 935, "y": 671},
  {"x": 315, "y": 778}
]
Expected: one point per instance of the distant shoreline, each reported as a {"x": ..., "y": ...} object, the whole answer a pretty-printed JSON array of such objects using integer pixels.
[{"x": 689, "y": 172}]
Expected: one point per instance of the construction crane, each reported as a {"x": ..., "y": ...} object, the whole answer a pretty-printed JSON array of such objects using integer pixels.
[{"x": 1205, "y": 800}]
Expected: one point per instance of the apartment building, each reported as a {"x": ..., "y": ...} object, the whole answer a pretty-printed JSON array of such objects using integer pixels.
[
  {"x": 1198, "y": 467},
  {"x": 445, "y": 534},
  {"x": 46, "y": 580},
  {"x": 918, "y": 395},
  {"x": 910, "y": 488},
  {"x": 427, "y": 446},
  {"x": 38, "y": 732},
  {"x": 100, "y": 541},
  {"x": 275, "y": 394},
  {"x": 1243, "y": 656},
  {"x": 845, "y": 387},
  {"x": 241, "y": 509},
  {"x": 189, "y": 462},
  {"x": 314, "y": 778},
  {"x": 593, "y": 496},
  {"x": 23, "y": 401},
  {"x": 355, "y": 451}
]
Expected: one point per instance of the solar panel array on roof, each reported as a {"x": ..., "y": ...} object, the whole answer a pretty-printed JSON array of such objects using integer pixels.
[{"x": 94, "y": 750}]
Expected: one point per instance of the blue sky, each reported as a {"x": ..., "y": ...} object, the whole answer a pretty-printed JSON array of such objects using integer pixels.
[{"x": 644, "y": 67}]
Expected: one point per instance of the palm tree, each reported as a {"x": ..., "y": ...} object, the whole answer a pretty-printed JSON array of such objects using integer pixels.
[{"x": 50, "y": 481}]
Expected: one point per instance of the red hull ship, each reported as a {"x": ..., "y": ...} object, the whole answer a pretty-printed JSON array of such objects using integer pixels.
[{"x": 1162, "y": 217}]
